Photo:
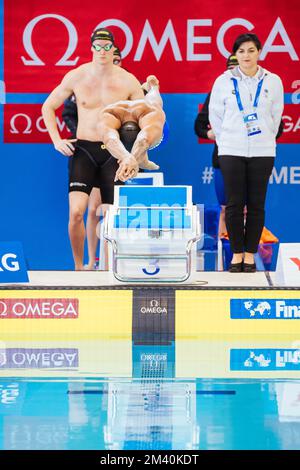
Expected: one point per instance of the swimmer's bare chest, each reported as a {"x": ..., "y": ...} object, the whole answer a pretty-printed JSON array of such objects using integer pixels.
[
  {"x": 90, "y": 99},
  {"x": 93, "y": 97}
]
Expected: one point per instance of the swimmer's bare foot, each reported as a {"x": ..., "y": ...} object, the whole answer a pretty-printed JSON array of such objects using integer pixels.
[
  {"x": 152, "y": 81},
  {"x": 149, "y": 166},
  {"x": 79, "y": 267},
  {"x": 146, "y": 164},
  {"x": 90, "y": 267}
]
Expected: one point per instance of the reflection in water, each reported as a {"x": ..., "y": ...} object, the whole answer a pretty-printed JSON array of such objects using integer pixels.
[
  {"x": 152, "y": 415},
  {"x": 157, "y": 406}
]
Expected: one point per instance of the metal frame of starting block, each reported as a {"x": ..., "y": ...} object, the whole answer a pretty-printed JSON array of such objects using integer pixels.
[
  {"x": 148, "y": 178},
  {"x": 153, "y": 232}
]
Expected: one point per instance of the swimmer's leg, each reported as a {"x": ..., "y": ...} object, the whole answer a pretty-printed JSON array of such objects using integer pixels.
[
  {"x": 94, "y": 208},
  {"x": 107, "y": 129},
  {"x": 146, "y": 164},
  {"x": 153, "y": 97},
  {"x": 78, "y": 203},
  {"x": 149, "y": 135}
]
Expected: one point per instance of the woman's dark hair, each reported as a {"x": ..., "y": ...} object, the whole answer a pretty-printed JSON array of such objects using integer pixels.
[{"x": 246, "y": 38}]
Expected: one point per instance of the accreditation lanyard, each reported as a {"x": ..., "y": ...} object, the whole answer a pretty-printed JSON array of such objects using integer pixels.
[{"x": 238, "y": 96}]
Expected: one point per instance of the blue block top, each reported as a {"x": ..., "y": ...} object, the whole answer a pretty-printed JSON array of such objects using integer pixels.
[
  {"x": 178, "y": 196},
  {"x": 152, "y": 219}
]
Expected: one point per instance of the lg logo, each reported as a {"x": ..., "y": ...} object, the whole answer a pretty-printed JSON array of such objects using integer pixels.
[{"x": 8, "y": 263}]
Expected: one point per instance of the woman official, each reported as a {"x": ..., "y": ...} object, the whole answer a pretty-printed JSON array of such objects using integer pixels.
[{"x": 245, "y": 110}]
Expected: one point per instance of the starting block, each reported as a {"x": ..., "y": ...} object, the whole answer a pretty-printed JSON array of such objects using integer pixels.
[{"x": 153, "y": 232}]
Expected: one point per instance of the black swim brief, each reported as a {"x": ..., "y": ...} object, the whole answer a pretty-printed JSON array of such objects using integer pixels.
[{"x": 93, "y": 166}]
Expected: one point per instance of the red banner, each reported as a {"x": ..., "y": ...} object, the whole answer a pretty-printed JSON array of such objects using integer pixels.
[
  {"x": 185, "y": 46},
  {"x": 23, "y": 123},
  {"x": 39, "y": 308},
  {"x": 291, "y": 118}
]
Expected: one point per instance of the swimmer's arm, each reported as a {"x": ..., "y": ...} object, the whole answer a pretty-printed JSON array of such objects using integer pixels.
[
  {"x": 54, "y": 101},
  {"x": 135, "y": 89}
]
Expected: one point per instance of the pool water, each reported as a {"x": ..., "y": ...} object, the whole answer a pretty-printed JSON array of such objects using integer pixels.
[{"x": 150, "y": 405}]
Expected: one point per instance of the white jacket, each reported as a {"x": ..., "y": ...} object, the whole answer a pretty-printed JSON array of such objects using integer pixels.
[{"x": 227, "y": 120}]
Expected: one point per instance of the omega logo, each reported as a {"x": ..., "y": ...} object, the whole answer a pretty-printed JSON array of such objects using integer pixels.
[
  {"x": 169, "y": 36},
  {"x": 27, "y": 41}
]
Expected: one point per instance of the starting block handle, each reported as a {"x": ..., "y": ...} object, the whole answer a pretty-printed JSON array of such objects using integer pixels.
[
  {"x": 142, "y": 279},
  {"x": 150, "y": 256}
]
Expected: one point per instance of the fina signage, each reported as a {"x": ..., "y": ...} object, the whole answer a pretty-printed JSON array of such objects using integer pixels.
[
  {"x": 265, "y": 359},
  {"x": 265, "y": 309},
  {"x": 12, "y": 263}
]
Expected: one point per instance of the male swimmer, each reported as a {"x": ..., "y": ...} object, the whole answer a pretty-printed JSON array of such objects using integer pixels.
[
  {"x": 148, "y": 114},
  {"x": 95, "y": 84}
]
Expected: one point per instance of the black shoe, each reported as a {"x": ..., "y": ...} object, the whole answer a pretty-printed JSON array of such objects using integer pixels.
[
  {"x": 236, "y": 267},
  {"x": 249, "y": 268}
]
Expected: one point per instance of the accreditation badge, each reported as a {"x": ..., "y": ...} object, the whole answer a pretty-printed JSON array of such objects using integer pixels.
[{"x": 252, "y": 125}]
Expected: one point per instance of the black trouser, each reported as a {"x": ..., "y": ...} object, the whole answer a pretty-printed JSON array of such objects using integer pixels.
[{"x": 246, "y": 181}]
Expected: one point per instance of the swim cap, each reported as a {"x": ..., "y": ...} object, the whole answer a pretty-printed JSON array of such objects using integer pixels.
[
  {"x": 128, "y": 133},
  {"x": 117, "y": 51},
  {"x": 102, "y": 33}
]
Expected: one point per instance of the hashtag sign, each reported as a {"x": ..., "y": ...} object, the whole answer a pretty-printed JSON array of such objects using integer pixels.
[{"x": 207, "y": 175}]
